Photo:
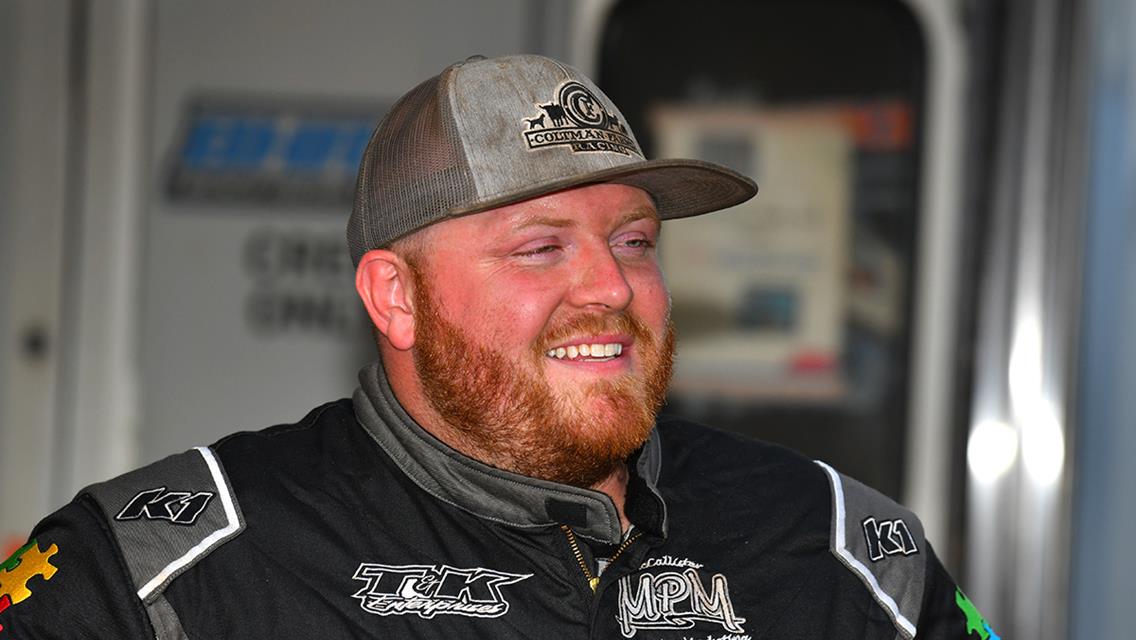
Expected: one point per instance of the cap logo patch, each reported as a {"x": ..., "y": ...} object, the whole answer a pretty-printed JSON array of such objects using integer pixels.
[{"x": 578, "y": 120}]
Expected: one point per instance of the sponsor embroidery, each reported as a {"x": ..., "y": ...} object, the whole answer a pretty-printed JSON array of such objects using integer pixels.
[
  {"x": 429, "y": 590},
  {"x": 15, "y": 572},
  {"x": 577, "y": 119},
  {"x": 888, "y": 538},
  {"x": 975, "y": 623},
  {"x": 178, "y": 507},
  {"x": 669, "y": 561},
  {"x": 674, "y": 600}
]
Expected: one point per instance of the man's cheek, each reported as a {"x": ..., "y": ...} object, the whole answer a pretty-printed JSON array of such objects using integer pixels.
[
  {"x": 518, "y": 320},
  {"x": 652, "y": 293}
]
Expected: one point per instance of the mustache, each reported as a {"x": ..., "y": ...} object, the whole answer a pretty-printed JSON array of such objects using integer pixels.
[{"x": 586, "y": 325}]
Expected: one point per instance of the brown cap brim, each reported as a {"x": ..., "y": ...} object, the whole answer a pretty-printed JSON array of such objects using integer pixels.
[{"x": 680, "y": 188}]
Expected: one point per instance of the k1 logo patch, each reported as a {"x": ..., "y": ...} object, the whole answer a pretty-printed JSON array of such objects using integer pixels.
[
  {"x": 888, "y": 538},
  {"x": 429, "y": 590},
  {"x": 178, "y": 507},
  {"x": 675, "y": 600}
]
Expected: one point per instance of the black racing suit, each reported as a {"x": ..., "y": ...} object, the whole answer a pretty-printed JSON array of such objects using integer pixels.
[{"x": 356, "y": 523}]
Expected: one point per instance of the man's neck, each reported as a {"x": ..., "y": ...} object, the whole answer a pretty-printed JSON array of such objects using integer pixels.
[{"x": 615, "y": 486}]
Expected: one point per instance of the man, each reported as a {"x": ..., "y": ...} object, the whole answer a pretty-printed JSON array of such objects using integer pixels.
[{"x": 500, "y": 472}]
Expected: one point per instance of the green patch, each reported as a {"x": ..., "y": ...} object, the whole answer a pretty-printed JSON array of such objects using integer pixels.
[
  {"x": 975, "y": 623},
  {"x": 14, "y": 560}
]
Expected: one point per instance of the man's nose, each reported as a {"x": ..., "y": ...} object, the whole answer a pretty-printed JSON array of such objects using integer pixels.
[{"x": 601, "y": 281}]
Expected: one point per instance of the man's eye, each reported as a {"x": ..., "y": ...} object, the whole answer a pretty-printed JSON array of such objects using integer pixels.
[
  {"x": 636, "y": 244},
  {"x": 542, "y": 249}
]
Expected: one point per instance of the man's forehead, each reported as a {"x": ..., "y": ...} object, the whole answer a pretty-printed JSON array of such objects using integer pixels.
[
  {"x": 605, "y": 205},
  {"x": 525, "y": 220},
  {"x": 606, "y": 208}
]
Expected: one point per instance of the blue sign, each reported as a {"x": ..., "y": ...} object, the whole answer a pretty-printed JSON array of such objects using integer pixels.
[{"x": 269, "y": 153}]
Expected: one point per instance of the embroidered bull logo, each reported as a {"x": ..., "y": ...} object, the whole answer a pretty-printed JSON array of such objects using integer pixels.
[{"x": 555, "y": 112}]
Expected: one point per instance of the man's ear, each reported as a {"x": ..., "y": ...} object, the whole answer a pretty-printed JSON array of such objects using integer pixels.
[{"x": 384, "y": 283}]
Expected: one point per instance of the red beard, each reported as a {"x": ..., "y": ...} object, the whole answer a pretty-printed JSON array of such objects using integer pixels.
[{"x": 507, "y": 415}]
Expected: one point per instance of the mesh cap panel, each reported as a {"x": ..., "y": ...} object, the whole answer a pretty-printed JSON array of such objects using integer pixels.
[{"x": 413, "y": 171}]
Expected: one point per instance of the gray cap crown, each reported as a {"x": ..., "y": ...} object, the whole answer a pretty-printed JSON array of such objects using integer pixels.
[{"x": 485, "y": 133}]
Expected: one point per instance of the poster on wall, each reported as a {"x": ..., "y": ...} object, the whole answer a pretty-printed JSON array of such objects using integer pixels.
[
  {"x": 269, "y": 151},
  {"x": 759, "y": 289}
]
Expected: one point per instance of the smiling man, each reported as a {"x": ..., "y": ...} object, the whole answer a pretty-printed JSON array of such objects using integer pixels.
[
  {"x": 533, "y": 337},
  {"x": 501, "y": 472}
]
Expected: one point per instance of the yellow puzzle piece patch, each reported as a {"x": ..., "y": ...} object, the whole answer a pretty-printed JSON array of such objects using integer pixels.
[{"x": 24, "y": 565}]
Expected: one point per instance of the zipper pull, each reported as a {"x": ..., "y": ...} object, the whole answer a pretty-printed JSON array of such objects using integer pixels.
[{"x": 593, "y": 583}]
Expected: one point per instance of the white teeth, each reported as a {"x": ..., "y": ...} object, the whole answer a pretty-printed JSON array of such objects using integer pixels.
[{"x": 596, "y": 350}]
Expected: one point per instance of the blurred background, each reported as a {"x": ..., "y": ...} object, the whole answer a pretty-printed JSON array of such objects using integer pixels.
[{"x": 931, "y": 292}]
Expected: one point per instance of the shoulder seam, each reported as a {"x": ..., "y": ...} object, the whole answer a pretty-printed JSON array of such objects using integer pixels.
[{"x": 307, "y": 422}]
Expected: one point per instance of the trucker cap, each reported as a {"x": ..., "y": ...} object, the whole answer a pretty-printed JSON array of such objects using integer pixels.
[{"x": 485, "y": 133}]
